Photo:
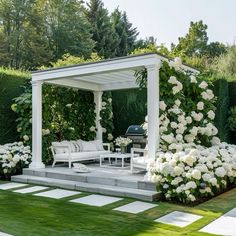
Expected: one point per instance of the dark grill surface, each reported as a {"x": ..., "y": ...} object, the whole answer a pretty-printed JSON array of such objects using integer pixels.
[
  {"x": 137, "y": 134},
  {"x": 135, "y": 130}
]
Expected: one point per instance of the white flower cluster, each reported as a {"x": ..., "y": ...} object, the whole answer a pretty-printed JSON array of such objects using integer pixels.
[
  {"x": 185, "y": 119},
  {"x": 195, "y": 172},
  {"x": 14, "y": 155},
  {"x": 121, "y": 141}
]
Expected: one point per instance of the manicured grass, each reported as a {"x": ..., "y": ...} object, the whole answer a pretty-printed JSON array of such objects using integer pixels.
[{"x": 31, "y": 215}]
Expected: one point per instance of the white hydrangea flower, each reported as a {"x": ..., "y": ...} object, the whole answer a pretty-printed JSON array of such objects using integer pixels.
[
  {"x": 92, "y": 129},
  {"x": 200, "y": 106},
  {"x": 172, "y": 80},
  {"x": 26, "y": 138},
  {"x": 196, "y": 174},
  {"x": 162, "y": 105},
  {"x": 193, "y": 79},
  {"x": 211, "y": 114},
  {"x": 203, "y": 85}
]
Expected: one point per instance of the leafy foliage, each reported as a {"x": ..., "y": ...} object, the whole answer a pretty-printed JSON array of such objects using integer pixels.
[
  {"x": 68, "y": 114},
  {"x": 11, "y": 86},
  {"x": 232, "y": 119}
]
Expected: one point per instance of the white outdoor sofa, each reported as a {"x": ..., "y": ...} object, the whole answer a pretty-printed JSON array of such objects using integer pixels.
[
  {"x": 63, "y": 152},
  {"x": 138, "y": 162}
]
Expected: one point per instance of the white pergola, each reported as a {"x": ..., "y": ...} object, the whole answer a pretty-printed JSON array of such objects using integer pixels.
[{"x": 106, "y": 75}]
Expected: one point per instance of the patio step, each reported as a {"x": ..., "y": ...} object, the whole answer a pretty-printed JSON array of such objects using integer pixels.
[
  {"x": 111, "y": 181},
  {"x": 145, "y": 195}
]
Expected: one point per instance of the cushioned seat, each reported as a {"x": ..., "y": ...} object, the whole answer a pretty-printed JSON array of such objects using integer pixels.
[
  {"x": 74, "y": 151},
  {"x": 81, "y": 155}
]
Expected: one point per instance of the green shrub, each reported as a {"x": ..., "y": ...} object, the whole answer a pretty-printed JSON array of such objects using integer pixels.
[
  {"x": 221, "y": 90},
  {"x": 11, "y": 86},
  {"x": 232, "y": 119},
  {"x": 129, "y": 107}
]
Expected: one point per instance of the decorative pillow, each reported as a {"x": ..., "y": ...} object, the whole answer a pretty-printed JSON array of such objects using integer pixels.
[
  {"x": 75, "y": 146},
  {"x": 58, "y": 150},
  {"x": 66, "y": 143},
  {"x": 88, "y": 146},
  {"x": 98, "y": 144},
  {"x": 79, "y": 142}
]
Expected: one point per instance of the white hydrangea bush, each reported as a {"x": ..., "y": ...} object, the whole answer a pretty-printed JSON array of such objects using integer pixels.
[
  {"x": 194, "y": 173},
  {"x": 192, "y": 162},
  {"x": 187, "y": 108},
  {"x": 13, "y": 158}
]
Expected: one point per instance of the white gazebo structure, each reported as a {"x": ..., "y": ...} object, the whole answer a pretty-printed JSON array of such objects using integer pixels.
[{"x": 106, "y": 75}]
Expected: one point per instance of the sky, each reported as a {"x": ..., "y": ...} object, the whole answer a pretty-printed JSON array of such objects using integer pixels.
[{"x": 167, "y": 20}]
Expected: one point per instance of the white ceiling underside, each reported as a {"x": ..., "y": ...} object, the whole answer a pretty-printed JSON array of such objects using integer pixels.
[{"x": 124, "y": 79}]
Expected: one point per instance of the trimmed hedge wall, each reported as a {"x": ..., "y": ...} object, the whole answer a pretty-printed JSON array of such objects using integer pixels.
[
  {"x": 11, "y": 83},
  {"x": 221, "y": 90},
  {"x": 129, "y": 108}
]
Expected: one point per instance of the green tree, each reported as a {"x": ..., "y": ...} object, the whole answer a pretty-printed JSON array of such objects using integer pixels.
[
  {"x": 214, "y": 49},
  {"x": 68, "y": 28},
  {"x": 194, "y": 43},
  {"x": 22, "y": 38},
  {"x": 102, "y": 32},
  {"x": 126, "y": 33},
  {"x": 226, "y": 63}
]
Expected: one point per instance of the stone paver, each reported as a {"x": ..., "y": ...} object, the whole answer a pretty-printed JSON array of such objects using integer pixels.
[
  {"x": 177, "y": 218},
  {"x": 11, "y": 185},
  {"x": 96, "y": 200},
  {"x": 4, "y": 234},
  {"x": 135, "y": 207},
  {"x": 31, "y": 189},
  {"x": 224, "y": 225},
  {"x": 57, "y": 193}
]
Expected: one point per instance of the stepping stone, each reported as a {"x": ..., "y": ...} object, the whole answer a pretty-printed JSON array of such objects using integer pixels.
[
  {"x": 224, "y": 225},
  {"x": 96, "y": 200},
  {"x": 31, "y": 189},
  {"x": 177, "y": 218},
  {"x": 57, "y": 193},
  {"x": 11, "y": 185},
  {"x": 136, "y": 207},
  {"x": 4, "y": 234}
]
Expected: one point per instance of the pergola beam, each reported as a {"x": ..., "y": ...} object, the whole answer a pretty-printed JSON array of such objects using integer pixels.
[{"x": 70, "y": 83}]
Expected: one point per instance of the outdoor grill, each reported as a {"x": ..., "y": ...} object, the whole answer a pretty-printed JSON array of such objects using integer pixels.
[{"x": 137, "y": 134}]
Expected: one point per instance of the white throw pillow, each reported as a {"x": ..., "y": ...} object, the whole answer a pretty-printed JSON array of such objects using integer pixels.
[
  {"x": 66, "y": 143},
  {"x": 98, "y": 144},
  {"x": 88, "y": 146},
  {"x": 58, "y": 150}
]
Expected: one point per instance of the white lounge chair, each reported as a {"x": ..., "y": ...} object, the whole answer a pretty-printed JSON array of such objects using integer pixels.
[
  {"x": 139, "y": 162},
  {"x": 63, "y": 153}
]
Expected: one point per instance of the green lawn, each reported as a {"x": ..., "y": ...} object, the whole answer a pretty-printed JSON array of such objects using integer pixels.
[{"x": 30, "y": 215}]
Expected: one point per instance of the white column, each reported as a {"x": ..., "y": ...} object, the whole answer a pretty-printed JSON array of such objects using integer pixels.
[
  {"x": 98, "y": 108},
  {"x": 37, "y": 126},
  {"x": 153, "y": 109}
]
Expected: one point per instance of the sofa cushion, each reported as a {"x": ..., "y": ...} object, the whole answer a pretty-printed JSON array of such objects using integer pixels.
[
  {"x": 81, "y": 155},
  {"x": 141, "y": 160},
  {"x": 58, "y": 150},
  {"x": 99, "y": 144},
  {"x": 89, "y": 146}
]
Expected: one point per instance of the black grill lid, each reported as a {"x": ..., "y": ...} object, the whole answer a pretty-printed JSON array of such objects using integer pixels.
[{"x": 135, "y": 130}]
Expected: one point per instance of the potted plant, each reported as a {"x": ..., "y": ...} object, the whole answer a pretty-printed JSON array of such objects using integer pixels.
[{"x": 122, "y": 143}]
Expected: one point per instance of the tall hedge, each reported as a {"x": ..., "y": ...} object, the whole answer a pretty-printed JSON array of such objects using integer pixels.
[
  {"x": 11, "y": 83},
  {"x": 221, "y": 90},
  {"x": 129, "y": 108}
]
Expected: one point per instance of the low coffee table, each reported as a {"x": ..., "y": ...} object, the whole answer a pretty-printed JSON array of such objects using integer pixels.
[{"x": 116, "y": 156}]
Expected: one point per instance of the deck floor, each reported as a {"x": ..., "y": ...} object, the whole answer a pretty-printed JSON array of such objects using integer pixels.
[{"x": 97, "y": 171}]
